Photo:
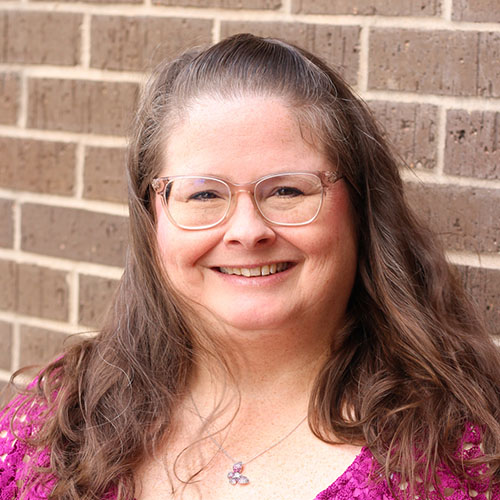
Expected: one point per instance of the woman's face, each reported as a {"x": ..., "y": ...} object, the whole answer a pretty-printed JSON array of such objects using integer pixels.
[{"x": 242, "y": 140}]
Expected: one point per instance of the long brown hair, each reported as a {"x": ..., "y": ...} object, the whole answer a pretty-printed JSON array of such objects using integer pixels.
[{"x": 411, "y": 368}]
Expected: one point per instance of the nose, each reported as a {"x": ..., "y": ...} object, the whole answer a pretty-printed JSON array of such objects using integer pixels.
[{"x": 246, "y": 226}]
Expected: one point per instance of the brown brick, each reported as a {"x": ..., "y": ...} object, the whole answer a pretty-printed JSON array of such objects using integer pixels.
[
  {"x": 337, "y": 45},
  {"x": 483, "y": 286},
  {"x": 95, "y": 298},
  {"x": 73, "y": 234},
  {"x": 9, "y": 97},
  {"x": 6, "y": 223},
  {"x": 465, "y": 218},
  {"x": 38, "y": 345},
  {"x": 139, "y": 43},
  {"x": 224, "y": 4},
  {"x": 6, "y": 343},
  {"x": 476, "y": 10},
  {"x": 40, "y": 37},
  {"x": 42, "y": 292},
  {"x": 8, "y": 290},
  {"x": 472, "y": 144},
  {"x": 489, "y": 68},
  {"x": 39, "y": 166},
  {"x": 438, "y": 62},
  {"x": 104, "y": 174},
  {"x": 411, "y": 129},
  {"x": 367, "y": 7},
  {"x": 81, "y": 105}
]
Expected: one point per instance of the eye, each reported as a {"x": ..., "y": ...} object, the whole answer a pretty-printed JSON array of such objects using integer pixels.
[
  {"x": 203, "y": 196},
  {"x": 286, "y": 191}
]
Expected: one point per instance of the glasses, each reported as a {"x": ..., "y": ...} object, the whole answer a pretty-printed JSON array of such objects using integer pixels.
[{"x": 201, "y": 202}]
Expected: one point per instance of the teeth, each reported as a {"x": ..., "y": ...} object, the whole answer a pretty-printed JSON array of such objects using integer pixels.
[{"x": 256, "y": 271}]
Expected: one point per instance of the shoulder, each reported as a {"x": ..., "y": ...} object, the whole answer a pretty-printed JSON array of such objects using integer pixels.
[{"x": 19, "y": 421}]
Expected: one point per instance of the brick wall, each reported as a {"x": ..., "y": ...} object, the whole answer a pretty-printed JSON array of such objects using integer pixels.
[{"x": 69, "y": 79}]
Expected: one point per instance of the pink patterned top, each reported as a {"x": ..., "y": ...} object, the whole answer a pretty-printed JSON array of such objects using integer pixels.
[{"x": 18, "y": 463}]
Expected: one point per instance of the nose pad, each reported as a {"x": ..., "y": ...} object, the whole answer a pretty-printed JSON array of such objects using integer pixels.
[{"x": 245, "y": 224}]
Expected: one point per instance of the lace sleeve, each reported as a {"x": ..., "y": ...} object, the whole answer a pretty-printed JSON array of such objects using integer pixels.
[{"x": 18, "y": 461}]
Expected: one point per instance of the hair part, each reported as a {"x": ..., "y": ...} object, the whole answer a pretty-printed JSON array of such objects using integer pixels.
[{"x": 412, "y": 366}]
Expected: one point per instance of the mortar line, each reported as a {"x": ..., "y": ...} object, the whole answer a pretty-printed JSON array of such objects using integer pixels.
[
  {"x": 286, "y": 7},
  {"x": 440, "y": 140},
  {"x": 447, "y": 7},
  {"x": 16, "y": 212},
  {"x": 22, "y": 118},
  {"x": 85, "y": 41},
  {"x": 79, "y": 171},
  {"x": 422, "y": 176},
  {"x": 74, "y": 297},
  {"x": 364, "y": 49},
  {"x": 473, "y": 259},
  {"x": 16, "y": 345},
  {"x": 216, "y": 27}
]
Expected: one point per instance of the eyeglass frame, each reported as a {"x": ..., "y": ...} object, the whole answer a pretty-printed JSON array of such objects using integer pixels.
[{"x": 159, "y": 185}]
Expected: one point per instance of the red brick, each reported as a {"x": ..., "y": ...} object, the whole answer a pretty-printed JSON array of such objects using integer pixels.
[
  {"x": 42, "y": 292},
  {"x": 472, "y": 144},
  {"x": 6, "y": 343},
  {"x": 6, "y": 223},
  {"x": 368, "y": 7},
  {"x": 104, "y": 174},
  {"x": 465, "y": 218},
  {"x": 39, "y": 166},
  {"x": 8, "y": 290},
  {"x": 476, "y": 10},
  {"x": 73, "y": 234},
  {"x": 9, "y": 97},
  {"x": 95, "y": 298},
  {"x": 489, "y": 68},
  {"x": 436, "y": 62},
  {"x": 337, "y": 45},
  {"x": 224, "y": 4},
  {"x": 139, "y": 43},
  {"x": 39, "y": 345},
  {"x": 81, "y": 105},
  {"x": 411, "y": 129},
  {"x": 40, "y": 37},
  {"x": 483, "y": 286}
]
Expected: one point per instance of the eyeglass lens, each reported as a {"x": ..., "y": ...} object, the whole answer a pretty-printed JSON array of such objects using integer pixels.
[{"x": 284, "y": 199}]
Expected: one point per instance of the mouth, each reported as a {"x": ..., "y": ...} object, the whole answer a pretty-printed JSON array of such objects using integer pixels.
[{"x": 252, "y": 272}]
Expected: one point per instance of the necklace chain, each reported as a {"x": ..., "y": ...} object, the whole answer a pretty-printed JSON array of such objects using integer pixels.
[{"x": 235, "y": 476}]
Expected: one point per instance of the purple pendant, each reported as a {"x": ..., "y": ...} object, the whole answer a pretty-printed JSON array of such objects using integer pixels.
[{"x": 235, "y": 476}]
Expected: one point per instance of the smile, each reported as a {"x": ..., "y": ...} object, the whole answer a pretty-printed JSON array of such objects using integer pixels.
[{"x": 251, "y": 272}]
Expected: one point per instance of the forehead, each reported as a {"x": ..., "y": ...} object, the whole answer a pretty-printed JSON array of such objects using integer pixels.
[{"x": 241, "y": 138}]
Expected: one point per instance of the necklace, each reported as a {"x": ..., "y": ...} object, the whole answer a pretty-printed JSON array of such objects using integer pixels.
[{"x": 235, "y": 475}]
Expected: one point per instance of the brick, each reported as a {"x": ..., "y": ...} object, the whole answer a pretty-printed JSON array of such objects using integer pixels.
[
  {"x": 139, "y": 43},
  {"x": 483, "y": 286},
  {"x": 489, "y": 70},
  {"x": 97, "y": 1},
  {"x": 437, "y": 62},
  {"x": 38, "y": 166},
  {"x": 337, "y": 45},
  {"x": 39, "y": 345},
  {"x": 8, "y": 290},
  {"x": 40, "y": 37},
  {"x": 465, "y": 218},
  {"x": 9, "y": 97},
  {"x": 81, "y": 105},
  {"x": 73, "y": 234},
  {"x": 104, "y": 174},
  {"x": 472, "y": 144},
  {"x": 95, "y": 298},
  {"x": 223, "y": 4},
  {"x": 6, "y": 343},
  {"x": 6, "y": 223},
  {"x": 411, "y": 129},
  {"x": 368, "y": 7},
  {"x": 475, "y": 10},
  {"x": 42, "y": 292}
]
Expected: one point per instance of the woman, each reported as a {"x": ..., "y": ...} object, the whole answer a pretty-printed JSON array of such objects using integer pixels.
[{"x": 284, "y": 327}]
